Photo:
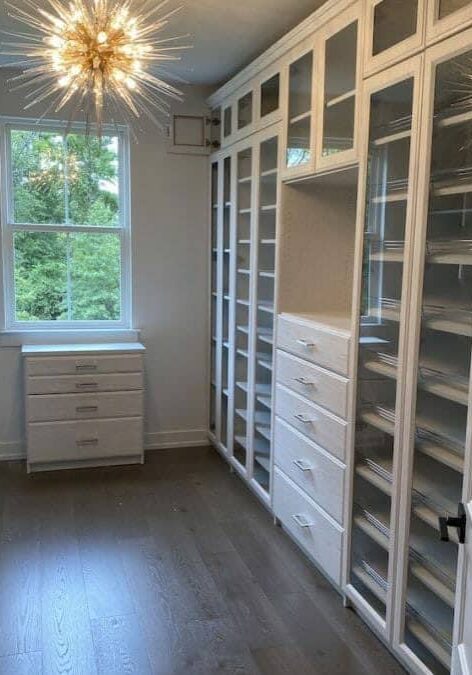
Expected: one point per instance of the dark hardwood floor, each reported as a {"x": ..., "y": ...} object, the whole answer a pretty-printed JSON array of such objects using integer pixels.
[{"x": 168, "y": 568}]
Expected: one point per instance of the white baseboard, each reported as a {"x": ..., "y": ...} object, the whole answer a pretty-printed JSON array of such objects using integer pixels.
[
  {"x": 12, "y": 450},
  {"x": 161, "y": 440}
]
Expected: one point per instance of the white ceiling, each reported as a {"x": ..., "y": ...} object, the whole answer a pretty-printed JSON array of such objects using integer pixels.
[{"x": 226, "y": 34}]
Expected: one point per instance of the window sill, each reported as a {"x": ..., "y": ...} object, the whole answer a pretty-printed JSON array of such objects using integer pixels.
[{"x": 18, "y": 338}]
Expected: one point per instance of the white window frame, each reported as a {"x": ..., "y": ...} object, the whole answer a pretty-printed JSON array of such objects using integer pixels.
[{"x": 8, "y": 321}]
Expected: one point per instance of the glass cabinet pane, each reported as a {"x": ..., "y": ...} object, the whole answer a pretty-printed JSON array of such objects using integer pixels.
[
  {"x": 447, "y": 7},
  {"x": 340, "y": 91},
  {"x": 299, "y": 124},
  {"x": 228, "y": 122},
  {"x": 214, "y": 296},
  {"x": 443, "y": 371},
  {"x": 226, "y": 240},
  {"x": 377, "y": 392},
  {"x": 270, "y": 93},
  {"x": 394, "y": 21},
  {"x": 245, "y": 111},
  {"x": 243, "y": 287},
  {"x": 266, "y": 255}
]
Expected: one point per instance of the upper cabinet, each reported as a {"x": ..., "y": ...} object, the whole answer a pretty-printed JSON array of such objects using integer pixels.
[
  {"x": 340, "y": 83},
  {"x": 299, "y": 131},
  {"x": 394, "y": 30},
  {"x": 446, "y": 17},
  {"x": 323, "y": 81}
]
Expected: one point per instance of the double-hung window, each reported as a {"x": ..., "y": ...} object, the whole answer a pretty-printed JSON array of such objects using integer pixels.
[{"x": 65, "y": 227}]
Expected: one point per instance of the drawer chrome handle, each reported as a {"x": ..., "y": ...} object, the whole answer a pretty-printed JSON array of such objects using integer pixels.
[
  {"x": 302, "y": 464},
  {"x": 86, "y": 367},
  {"x": 87, "y": 408},
  {"x": 87, "y": 442},
  {"x": 86, "y": 385},
  {"x": 305, "y": 343},
  {"x": 302, "y": 521},
  {"x": 304, "y": 418},
  {"x": 305, "y": 381}
]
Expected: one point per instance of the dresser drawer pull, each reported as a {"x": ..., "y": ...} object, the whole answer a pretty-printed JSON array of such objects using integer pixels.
[
  {"x": 85, "y": 367},
  {"x": 305, "y": 343},
  {"x": 86, "y": 442},
  {"x": 86, "y": 385},
  {"x": 302, "y": 521},
  {"x": 305, "y": 381},
  {"x": 302, "y": 464},
  {"x": 304, "y": 419},
  {"x": 87, "y": 409}
]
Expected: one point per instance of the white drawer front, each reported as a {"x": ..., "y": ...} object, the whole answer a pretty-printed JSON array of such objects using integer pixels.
[
  {"x": 316, "y": 384},
  {"x": 310, "y": 468},
  {"x": 84, "y": 406},
  {"x": 318, "y": 535},
  {"x": 314, "y": 422},
  {"x": 92, "y": 439},
  {"x": 84, "y": 364},
  {"x": 327, "y": 349},
  {"x": 79, "y": 384}
]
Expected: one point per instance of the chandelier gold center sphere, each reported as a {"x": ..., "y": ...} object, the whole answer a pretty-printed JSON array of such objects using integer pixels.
[{"x": 100, "y": 57}]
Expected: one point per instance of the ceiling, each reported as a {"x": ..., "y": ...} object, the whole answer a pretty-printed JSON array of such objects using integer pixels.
[{"x": 226, "y": 34}]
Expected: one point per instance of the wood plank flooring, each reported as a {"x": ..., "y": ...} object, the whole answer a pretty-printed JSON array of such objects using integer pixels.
[{"x": 171, "y": 568}]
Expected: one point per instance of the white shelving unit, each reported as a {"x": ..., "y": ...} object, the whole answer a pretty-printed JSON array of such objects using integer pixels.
[{"x": 342, "y": 270}]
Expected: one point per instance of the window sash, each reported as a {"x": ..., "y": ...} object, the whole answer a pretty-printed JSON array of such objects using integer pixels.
[{"x": 8, "y": 227}]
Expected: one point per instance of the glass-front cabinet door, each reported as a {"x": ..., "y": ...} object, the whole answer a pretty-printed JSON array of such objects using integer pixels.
[
  {"x": 394, "y": 29},
  {"x": 243, "y": 297},
  {"x": 299, "y": 154},
  {"x": 263, "y": 335},
  {"x": 225, "y": 286},
  {"x": 336, "y": 142},
  {"x": 441, "y": 427},
  {"x": 447, "y": 16},
  {"x": 215, "y": 351},
  {"x": 388, "y": 171}
]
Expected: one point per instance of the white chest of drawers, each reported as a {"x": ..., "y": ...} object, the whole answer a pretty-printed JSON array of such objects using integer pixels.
[
  {"x": 311, "y": 430},
  {"x": 83, "y": 405}
]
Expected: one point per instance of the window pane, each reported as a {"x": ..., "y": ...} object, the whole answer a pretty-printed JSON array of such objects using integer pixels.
[
  {"x": 95, "y": 264},
  {"x": 67, "y": 277},
  {"x": 37, "y": 165},
  {"x": 92, "y": 180},
  {"x": 57, "y": 180},
  {"x": 40, "y": 276}
]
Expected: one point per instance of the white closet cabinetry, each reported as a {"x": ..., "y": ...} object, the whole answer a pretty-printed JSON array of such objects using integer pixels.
[{"x": 243, "y": 305}]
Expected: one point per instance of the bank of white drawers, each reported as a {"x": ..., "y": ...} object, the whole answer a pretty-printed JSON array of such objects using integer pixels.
[
  {"x": 84, "y": 404},
  {"x": 310, "y": 438}
]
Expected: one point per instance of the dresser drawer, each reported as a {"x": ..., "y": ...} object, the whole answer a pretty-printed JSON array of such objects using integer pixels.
[
  {"x": 321, "y": 537},
  {"x": 68, "y": 384},
  {"x": 63, "y": 407},
  {"x": 86, "y": 440},
  {"x": 84, "y": 364},
  {"x": 316, "y": 384},
  {"x": 327, "y": 348},
  {"x": 317, "y": 424},
  {"x": 312, "y": 469}
]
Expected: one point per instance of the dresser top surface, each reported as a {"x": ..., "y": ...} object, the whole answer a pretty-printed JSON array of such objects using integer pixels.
[{"x": 69, "y": 350}]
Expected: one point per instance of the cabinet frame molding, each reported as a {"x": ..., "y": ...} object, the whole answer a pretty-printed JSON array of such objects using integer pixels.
[
  {"x": 398, "y": 52},
  {"x": 434, "y": 56},
  {"x": 411, "y": 68}
]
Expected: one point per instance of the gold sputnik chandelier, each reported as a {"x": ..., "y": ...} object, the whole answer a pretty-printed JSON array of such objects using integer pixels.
[{"x": 101, "y": 58}]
